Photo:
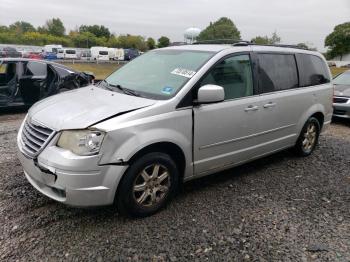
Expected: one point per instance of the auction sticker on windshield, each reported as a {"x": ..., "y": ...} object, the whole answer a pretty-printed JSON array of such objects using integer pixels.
[{"x": 183, "y": 72}]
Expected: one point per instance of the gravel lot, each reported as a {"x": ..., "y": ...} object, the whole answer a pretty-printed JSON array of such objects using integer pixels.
[{"x": 277, "y": 208}]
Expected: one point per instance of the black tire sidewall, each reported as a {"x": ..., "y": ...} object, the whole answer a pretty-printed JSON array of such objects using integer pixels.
[
  {"x": 125, "y": 201},
  {"x": 299, "y": 145}
]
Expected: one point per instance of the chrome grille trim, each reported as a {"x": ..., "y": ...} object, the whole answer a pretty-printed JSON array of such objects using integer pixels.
[{"x": 35, "y": 137}]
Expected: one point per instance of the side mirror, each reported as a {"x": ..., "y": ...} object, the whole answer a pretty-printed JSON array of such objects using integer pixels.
[{"x": 210, "y": 94}]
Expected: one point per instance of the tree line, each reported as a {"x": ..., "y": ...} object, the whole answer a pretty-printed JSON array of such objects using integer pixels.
[
  {"x": 85, "y": 36},
  {"x": 337, "y": 42}
]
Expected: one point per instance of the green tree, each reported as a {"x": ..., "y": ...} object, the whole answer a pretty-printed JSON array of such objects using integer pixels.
[
  {"x": 163, "y": 42},
  {"x": 21, "y": 27},
  {"x": 3, "y": 29},
  {"x": 151, "y": 43},
  {"x": 265, "y": 40},
  {"x": 97, "y": 30},
  {"x": 132, "y": 41},
  {"x": 303, "y": 45},
  {"x": 223, "y": 28},
  {"x": 338, "y": 41},
  {"x": 54, "y": 27}
]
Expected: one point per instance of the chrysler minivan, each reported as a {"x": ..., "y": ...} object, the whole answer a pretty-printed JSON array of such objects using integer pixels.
[{"x": 172, "y": 115}]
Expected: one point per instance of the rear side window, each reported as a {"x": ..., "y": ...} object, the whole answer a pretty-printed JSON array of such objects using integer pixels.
[
  {"x": 277, "y": 72},
  {"x": 70, "y": 52},
  {"x": 312, "y": 69},
  {"x": 103, "y": 53},
  {"x": 36, "y": 68}
]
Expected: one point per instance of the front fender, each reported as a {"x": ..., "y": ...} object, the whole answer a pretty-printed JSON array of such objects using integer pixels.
[{"x": 121, "y": 144}]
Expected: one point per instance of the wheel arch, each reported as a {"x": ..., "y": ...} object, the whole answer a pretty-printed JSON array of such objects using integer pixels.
[{"x": 170, "y": 148}]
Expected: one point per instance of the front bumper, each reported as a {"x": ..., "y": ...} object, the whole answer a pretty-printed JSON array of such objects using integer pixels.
[
  {"x": 342, "y": 110},
  {"x": 71, "y": 179}
]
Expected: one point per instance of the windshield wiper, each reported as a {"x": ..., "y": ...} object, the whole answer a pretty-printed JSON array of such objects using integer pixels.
[
  {"x": 106, "y": 85},
  {"x": 126, "y": 90},
  {"x": 123, "y": 89}
]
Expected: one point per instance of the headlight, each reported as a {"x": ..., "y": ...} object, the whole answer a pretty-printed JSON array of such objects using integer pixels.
[{"x": 81, "y": 142}]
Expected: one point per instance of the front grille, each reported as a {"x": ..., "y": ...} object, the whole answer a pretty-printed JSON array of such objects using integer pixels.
[
  {"x": 340, "y": 100},
  {"x": 35, "y": 137}
]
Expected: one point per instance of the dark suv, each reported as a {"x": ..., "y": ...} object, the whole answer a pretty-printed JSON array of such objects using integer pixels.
[{"x": 9, "y": 52}]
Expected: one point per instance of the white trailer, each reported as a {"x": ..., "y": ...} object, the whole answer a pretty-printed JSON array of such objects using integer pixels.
[
  {"x": 99, "y": 53},
  {"x": 52, "y": 48},
  {"x": 70, "y": 53},
  {"x": 111, "y": 53},
  {"x": 119, "y": 54}
]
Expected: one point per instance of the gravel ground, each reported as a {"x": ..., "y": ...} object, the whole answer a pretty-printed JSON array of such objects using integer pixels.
[{"x": 280, "y": 208}]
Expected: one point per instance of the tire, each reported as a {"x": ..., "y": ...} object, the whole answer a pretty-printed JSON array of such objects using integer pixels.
[
  {"x": 308, "y": 137},
  {"x": 142, "y": 192}
]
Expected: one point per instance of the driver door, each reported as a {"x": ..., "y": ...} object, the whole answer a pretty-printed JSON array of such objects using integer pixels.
[
  {"x": 8, "y": 82},
  {"x": 32, "y": 81},
  {"x": 225, "y": 132}
]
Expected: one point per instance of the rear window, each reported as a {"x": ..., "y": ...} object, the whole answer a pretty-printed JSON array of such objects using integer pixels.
[
  {"x": 277, "y": 72},
  {"x": 312, "y": 70},
  {"x": 36, "y": 68},
  {"x": 70, "y": 52},
  {"x": 103, "y": 52}
]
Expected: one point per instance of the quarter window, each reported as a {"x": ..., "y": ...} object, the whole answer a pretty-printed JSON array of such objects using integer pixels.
[
  {"x": 277, "y": 72},
  {"x": 36, "y": 68},
  {"x": 234, "y": 74},
  {"x": 313, "y": 70}
]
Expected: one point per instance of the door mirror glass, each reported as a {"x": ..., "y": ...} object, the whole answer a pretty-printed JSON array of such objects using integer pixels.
[{"x": 210, "y": 94}]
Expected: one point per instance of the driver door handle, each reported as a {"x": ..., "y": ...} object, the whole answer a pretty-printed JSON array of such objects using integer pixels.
[
  {"x": 251, "y": 108},
  {"x": 270, "y": 104}
]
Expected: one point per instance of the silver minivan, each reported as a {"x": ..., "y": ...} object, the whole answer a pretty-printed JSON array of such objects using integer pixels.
[{"x": 172, "y": 115}]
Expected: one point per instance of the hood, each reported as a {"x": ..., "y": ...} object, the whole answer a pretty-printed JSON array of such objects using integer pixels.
[
  {"x": 342, "y": 90},
  {"x": 84, "y": 107}
]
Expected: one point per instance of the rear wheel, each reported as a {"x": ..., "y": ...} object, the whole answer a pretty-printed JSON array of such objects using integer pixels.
[
  {"x": 148, "y": 185},
  {"x": 308, "y": 138}
]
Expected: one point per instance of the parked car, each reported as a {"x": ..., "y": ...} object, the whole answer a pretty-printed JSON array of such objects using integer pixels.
[
  {"x": 9, "y": 52},
  {"x": 341, "y": 100},
  {"x": 34, "y": 55},
  {"x": 172, "y": 115},
  {"x": 49, "y": 56},
  {"x": 25, "y": 81},
  {"x": 130, "y": 54},
  {"x": 85, "y": 55}
]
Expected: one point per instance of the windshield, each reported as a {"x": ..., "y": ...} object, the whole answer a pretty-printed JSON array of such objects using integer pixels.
[
  {"x": 159, "y": 74},
  {"x": 342, "y": 79}
]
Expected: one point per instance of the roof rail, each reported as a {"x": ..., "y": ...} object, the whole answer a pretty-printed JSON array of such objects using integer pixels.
[
  {"x": 220, "y": 41},
  {"x": 235, "y": 42},
  {"x": 282, "y": 45}
]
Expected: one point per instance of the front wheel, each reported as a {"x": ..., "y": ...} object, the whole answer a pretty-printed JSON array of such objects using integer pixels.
[
  {"x": 148, "y": 185},
  {"x": 308, "y": 138}
]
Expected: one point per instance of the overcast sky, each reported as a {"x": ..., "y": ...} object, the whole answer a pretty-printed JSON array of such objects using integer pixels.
[{"x": 295, "y": 21}]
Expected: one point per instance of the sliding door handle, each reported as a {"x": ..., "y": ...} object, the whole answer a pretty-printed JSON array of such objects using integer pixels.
[
  {"x": 251, "y": 108},
  {"x": 270, "y": 104}
]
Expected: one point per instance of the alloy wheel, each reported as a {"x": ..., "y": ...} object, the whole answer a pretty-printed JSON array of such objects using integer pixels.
[{"x": 151, "y": 185}]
